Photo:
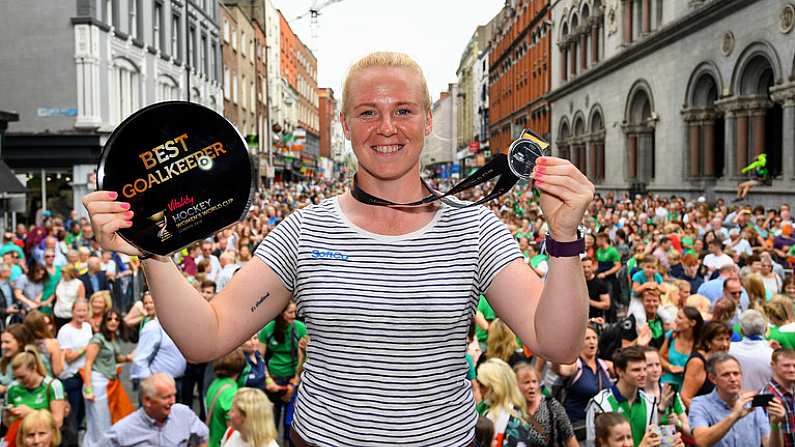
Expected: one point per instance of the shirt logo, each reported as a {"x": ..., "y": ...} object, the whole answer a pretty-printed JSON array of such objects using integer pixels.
[{"x": 326, "y": 254}]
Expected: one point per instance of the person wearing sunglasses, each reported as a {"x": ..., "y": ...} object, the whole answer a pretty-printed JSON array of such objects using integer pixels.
[{"x": 101, "y": 387}]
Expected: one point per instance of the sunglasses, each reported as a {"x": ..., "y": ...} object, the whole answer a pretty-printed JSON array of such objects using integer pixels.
[
  {"x": 49, "y": 256},
  {"x": 114, "y": 319}
]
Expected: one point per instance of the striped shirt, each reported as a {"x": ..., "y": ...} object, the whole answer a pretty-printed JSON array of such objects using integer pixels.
[{"x": 387, "y": 317}]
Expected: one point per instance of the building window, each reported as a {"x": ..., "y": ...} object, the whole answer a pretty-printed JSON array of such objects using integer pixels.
[
  {"x": 226, "y": 31},
  {"x": 213, "y": 61},
  {"x": 251, "y": 91},
  {"x": 109, "y": 16},
  {"x": 192, "y": 44},
  {"x": 234, "y": 89},
  {"x": 157, "y": 28},
  {"x": 175, "y": 36},
  {"x": 234, "y": 40},
  {"x": 243, "y": 92},
  {"x": 167, "y": 89},
  {"x": 133, "y": 24},
  {"x": 126, "y": 83},
  {"x": 203, "y": 55},
  {"x": 227, "y": 82},
  {"x": 242, "y": 43}
]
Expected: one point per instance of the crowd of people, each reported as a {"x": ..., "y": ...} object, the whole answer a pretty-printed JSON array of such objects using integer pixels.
[{"x": 690, "y": 339}]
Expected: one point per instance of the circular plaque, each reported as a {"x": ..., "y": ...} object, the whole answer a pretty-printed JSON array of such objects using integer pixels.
[
  {"x": 184, "y": 169},
  {"x": 522, "y": 156}
]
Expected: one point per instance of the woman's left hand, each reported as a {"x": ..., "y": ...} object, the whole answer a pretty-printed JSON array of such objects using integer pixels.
[{"x": 565, "y": 195}]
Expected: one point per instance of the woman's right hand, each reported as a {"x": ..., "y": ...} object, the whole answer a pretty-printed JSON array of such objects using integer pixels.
[{"x": 108, "y": 217}]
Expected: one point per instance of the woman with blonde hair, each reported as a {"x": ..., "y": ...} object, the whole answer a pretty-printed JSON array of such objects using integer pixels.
[
  {"x": 782, "y": 329},
  {"x": 31, "y": 390},
  {"x": 548, "y": 424},
  {"x": 757, "y": 295},
  {"x": 99, "y": 303},
  {"x": 250, "y": 421},
  {"x": 38, "y": 429},
  {"x": 503, "y": 402},
  {"x": 502, "y": 344}
]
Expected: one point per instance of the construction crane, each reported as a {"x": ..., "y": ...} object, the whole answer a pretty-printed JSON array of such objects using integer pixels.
[{"x": 313, "y": 13}]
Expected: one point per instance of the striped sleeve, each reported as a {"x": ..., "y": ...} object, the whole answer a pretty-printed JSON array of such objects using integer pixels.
[
  {"x": 56, "y": 391},
  {"x": 279, "y": 250},
  {"x": 496, "y": 248}
]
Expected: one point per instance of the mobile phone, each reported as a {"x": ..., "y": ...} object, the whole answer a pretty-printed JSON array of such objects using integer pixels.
[
  {"x": 761, "y": 400},
  {"x": 667, "y": 435}
]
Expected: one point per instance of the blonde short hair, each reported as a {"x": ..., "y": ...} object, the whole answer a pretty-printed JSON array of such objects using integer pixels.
[
  {"x": 384, "y": 59},
  {"x": 503, "y": 389},
  {"x": 34, "y": 420},
  {"x": 258, "y": 411}
]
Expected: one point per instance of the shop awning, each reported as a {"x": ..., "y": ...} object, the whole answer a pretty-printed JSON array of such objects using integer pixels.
[{"x": 9, "y": 183}]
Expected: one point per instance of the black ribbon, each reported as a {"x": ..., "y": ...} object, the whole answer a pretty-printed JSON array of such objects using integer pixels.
[{"x": 521, "y": 158}]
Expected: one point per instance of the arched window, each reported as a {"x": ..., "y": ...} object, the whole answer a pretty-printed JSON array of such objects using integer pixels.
[
  {"x": 596, "y": 140},
  {"x": 127, "y": 87},
  {"x": 639, "y": 130},
  {"x": 704, "y": 123},
  {"x": 167, "y": 89}
]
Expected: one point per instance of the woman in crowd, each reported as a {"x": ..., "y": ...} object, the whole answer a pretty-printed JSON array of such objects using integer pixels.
[
  {"x": 548, "y": 423},
  {"x": 29, "y": 289},
  {"x": 670, "y": 407},
  {"x": 779, "y": 312},
  {"x": 38, "y": 429},
  {"x": 582, "y": 380},
  {"x": 257, "y": 372},
  {"x": 503, "y": 402},
  {"x": 677, "y": 347},
  {"x": 141, "y": 313},
  {"x": 40, "y": 326},
  {"x": 68, "y": 290},
  {"x": 13, "y": 341},
  {"x": 772, "y": 280},
  {"x": 715, "y": 337},
  {"x": 221, "y": 393},
  {"x": 102, "y": 389},
  {"x": 74, "y": 338},
  {"x": 250, "y": 420},
  {"x": 501, "y": 344},
  {"x": 613, "y": 430},
  {"x": 724, "y": 311},
  {"x": 279, "y": 340},
  {"x": 32, "y": 390},
  {"x": 758, "y": 295},
  {"x": 99, "y": 304}
]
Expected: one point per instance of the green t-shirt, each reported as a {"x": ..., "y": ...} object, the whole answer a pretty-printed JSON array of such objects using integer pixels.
[
  {"x": 223, "y": 403},
  {"x": 284, "y": 358},
  {"x": 636, "y": 414},
  {"x": 785, "y": 338},
  {"x": 49, "y": 290},
  {"x": 606, "y": 258},
  {"x": 488, "y": 313},
  {"x": 471, "y": 373},
  {"x": 105, "y": 363},
  {"x": 38, "y": 398},
  {"x": 675, "y": 408}
]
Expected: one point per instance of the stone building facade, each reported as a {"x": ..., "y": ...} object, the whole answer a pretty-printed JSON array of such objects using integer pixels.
[{"x": 675, "y": 96}]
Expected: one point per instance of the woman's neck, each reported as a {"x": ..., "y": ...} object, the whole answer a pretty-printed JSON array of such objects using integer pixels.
[
  {"x": 532, "y": 405},
  {"x": 653, "y": 387},
  {"x": 405, "y": 189},
  {"x": 76, "y": 324}
]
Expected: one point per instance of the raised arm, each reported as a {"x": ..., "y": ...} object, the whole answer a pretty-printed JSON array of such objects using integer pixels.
[{"x": 202, "y": 331}]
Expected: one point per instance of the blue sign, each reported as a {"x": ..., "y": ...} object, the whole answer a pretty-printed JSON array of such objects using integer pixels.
[
  {"x": 456, "y": 168},
  {"x": 56, "y": 111}
]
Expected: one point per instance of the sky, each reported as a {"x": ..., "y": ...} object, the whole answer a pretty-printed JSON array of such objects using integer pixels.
[{"x": 433, "y": 32}]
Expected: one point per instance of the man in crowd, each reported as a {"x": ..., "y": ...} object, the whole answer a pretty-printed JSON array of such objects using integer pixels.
[
  {"x": 94, "y": 279},
  {"x": 598, "y": 292},
  {"x": 228, "y": 268},
  {"x": 782, "y": 386},
  {"x": 608, "y": 261},
  {"x": 725, "y": 418},
  {"x": 753, "y": 351},
  {"x": 716, "y": 257},
  {"x": 215, "y": 263},
  {"x": 715, "y": 288},
  {"x": 160, "y": 421},
  {"x": 626, "y": 396}
]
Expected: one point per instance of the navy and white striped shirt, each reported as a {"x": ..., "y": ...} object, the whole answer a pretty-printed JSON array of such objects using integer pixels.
[{"x": 387, "y": 317}]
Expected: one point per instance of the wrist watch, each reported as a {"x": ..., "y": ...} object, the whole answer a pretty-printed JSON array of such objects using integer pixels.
[{"x": 557, "y": 249}]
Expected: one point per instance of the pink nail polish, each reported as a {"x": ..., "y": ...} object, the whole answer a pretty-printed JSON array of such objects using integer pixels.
[
  {"x": 128, "y": 214},
  {"x": 112, "y": 195},
  {"x": 125, "y": 205}
]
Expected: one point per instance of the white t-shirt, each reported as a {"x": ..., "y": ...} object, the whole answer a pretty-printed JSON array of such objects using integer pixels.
[
  {"x": 232, "y": 438},
  {"x": 74, "y": 339},
  {"x": 65, "y": 297},
  {"x": 715, "y": 262}
]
